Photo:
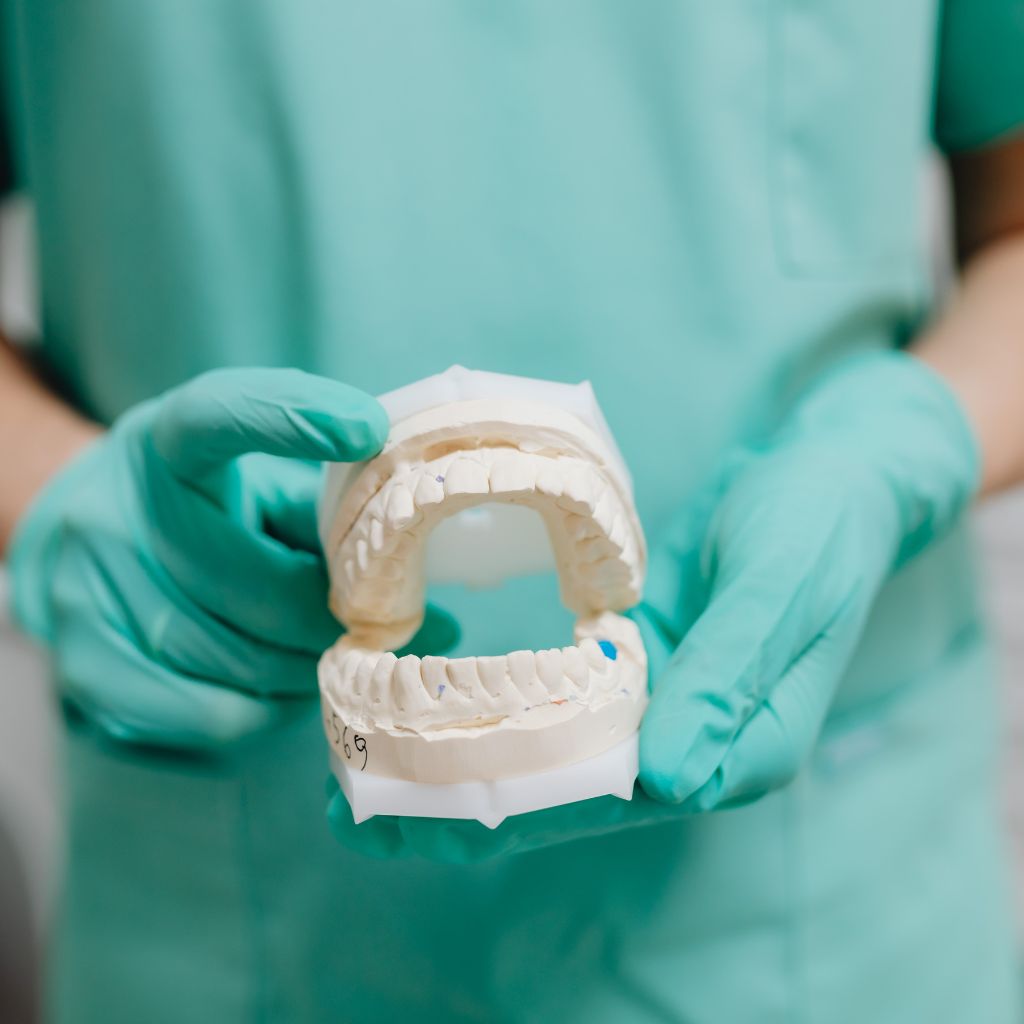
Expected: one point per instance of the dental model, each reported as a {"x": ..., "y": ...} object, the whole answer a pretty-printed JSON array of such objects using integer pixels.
[{"x": 447, "y": 723}]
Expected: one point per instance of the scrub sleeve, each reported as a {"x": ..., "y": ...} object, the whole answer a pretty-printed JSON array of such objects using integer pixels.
[{"x": 980, "y": 84}]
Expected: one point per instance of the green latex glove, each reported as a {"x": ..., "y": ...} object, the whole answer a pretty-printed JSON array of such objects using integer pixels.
[
  {"x": 174, "y": 566},
  {"x": 755, "y": 602}
]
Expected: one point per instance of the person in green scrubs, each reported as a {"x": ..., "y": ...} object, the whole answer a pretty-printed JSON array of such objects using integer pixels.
[{"x": 710, "y": 210}]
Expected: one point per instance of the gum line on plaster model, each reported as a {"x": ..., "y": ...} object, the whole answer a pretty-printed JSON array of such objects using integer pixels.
[
  {"x": 447, "y": 720},
  {"x": 489, "y": 717}
]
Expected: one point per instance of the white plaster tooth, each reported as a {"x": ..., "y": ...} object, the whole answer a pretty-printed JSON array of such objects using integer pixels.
[
  {"x": 376, "y": 534},
  {"x": 578, "y": 490},
  {"x": 631, "y": 649},
  {"x": 390, "y": 569},
  {"x": 623, "y": 632},
  {"x": 550, "y": 478},
  {"x": 375, "y": 506},
  {"x": 434, "y": 675},
  {"x": 618, "y": 534},
  {"x": 329, "y": 675},
  {"x": 594, "y": 597},
  {"x": 362, "y": 554},
  {"x": 429, "y": 489},
  {"x": 583, "y": 485},
  {"x": 346, "y": 667},
  {"x": 407, "y": 682},
  {"x": 522, "y": 669},
  {"x": 619, "y": 573},
  {"x": 622, "y": 596},
  {"x": 375, "y": 594},
  {"x": 493, "y": 674},
  {"x": 465, "y": 476},
  {"x": 579, "y": 528},
  {"x": 605, "y": 572},
  {"x": 567, "y": 504},
  {"x": 594, "y": 550},
  {"x": 593, "y": 654},
  {"x": 350, "y": 570},
  {"x": 364, "y": 673},
  {"x": 404, "y": 546},
  {"x": 462, "y": 674},
  {"x": 512, "y": 472},
  {"x": 605, "y": 508},
  {"x": 628, "y": 555},
  {"x": 379, "y": 687},
  {"x": 400, "y": 510},
  {"x": 575, "y": 666},
  {"x": 549, "y": 670}
]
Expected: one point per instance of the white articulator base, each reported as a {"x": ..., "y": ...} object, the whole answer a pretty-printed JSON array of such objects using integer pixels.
[{"x": 612, "y": 773}]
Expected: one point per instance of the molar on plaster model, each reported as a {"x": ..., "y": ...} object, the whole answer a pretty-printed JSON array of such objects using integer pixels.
[{"x": 451, "y": 721}]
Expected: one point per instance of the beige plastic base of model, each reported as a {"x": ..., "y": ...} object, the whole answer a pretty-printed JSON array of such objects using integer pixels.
[{"x": 612, "y": 773}]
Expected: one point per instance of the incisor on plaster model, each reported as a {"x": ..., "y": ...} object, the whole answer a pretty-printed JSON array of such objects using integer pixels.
[{"x": 438, "y": 720}]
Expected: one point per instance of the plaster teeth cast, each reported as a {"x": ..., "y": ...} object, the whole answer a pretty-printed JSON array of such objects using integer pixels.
[{"x": 438, "y": 720}]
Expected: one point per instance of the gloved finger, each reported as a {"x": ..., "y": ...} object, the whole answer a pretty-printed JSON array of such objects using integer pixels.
[
  {"x": 677, "y": 587},
  {"x": 451, "y": 841},
  {"x": 108, "y": 677},
  {"x": 134, "y": 700},
  {"x": 470, "y": 842},
  {"x": 171, "y": 630},
  {"x": 223, "y": 414},
  {"x": 192, "y": 643},
  {"x": 776, "y": 741},
  {"x": 754, "y": 628},
  {"x": 659, "y": 637},
  {"x": 439, "y": 633},
  {"x": 272, "y": 593},
  {"x": 377, "y": 837},
  {"x": 284, "y": 495}
]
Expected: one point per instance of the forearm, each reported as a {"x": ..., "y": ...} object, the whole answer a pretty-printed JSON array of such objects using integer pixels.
[
  {"x": 38, "y": 434},
  {"x": 978, "y": 347}
]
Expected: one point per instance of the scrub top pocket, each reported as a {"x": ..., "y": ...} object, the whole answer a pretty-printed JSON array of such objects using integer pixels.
[{"x": 850, "y": 105}]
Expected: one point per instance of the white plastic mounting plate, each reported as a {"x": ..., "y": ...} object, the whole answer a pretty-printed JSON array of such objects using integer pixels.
[{"x": 611, "y": 773}]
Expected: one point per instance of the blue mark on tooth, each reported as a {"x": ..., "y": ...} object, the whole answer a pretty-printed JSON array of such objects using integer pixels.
[
  {"x": 440, "y": 689},
  {"x": 610, "y": 650}
]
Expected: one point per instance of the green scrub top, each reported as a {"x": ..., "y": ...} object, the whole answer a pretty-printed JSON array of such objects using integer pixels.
[{"x": 696, "y": 206}]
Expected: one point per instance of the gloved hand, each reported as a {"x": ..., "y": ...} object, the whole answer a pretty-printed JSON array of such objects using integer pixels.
[
  {"x": 755, "y": 602},
  {"x": 178, "y": 576}
]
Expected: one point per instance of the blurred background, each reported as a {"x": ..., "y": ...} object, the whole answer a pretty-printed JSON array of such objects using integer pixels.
[{"x": 30, "y": 837}]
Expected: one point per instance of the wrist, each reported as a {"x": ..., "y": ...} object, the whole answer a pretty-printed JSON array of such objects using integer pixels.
[
  {"x": 55, "y": 444},
  {"x": 39, "y": 434},
  {"x": 32, "y": 540},
  {"x": 898, "y": 417}
]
